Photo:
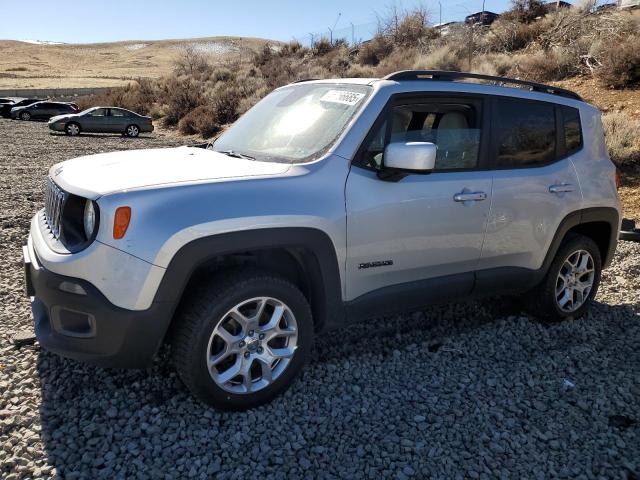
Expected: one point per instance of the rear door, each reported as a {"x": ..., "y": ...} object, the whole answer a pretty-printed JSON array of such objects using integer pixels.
[
  {"x": 117, "y": 120},
  {"x": 423, "y": 226},
  {"x": 534, "y": 186}
]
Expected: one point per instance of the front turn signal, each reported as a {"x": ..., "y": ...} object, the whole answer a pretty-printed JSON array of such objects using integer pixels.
[{"x": 121, "y": 222}]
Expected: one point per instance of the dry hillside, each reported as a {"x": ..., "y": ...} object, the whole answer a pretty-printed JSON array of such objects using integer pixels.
[{"x": 33, "y": 65}]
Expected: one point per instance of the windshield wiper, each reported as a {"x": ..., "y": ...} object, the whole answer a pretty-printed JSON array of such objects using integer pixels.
[{"x": 233, "y": 154}]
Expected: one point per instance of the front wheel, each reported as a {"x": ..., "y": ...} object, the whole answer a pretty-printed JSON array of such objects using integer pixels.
[
  {"x": 26, "y": 116},
  {"x": 132, "y": 131},
  {"x": 72, "y": 129},
  {"x": 242, "y": 340},
  {"x": 571, "y": 282}
]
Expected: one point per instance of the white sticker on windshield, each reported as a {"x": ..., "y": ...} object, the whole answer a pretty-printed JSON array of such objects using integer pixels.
[{"x": 342, "y": 96}]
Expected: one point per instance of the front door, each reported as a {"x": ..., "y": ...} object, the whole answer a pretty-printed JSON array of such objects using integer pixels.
[
  {"x": 95, "y": 120},
  {"x": 424, "y": 226}
]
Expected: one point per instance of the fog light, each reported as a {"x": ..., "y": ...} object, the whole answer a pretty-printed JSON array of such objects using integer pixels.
[
  {"x": 71, "y": 287},
  {"x": 73, "y": 323}
]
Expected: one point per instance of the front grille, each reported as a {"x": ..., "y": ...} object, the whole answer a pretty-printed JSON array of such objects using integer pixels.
[{"x": 53, "y": 203}]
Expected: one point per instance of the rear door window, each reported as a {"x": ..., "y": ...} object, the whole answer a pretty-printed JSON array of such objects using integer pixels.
[{"x": 524, "y": 133}]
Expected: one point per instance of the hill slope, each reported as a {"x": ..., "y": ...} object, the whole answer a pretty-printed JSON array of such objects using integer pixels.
[{"x": 33, "y": 65}]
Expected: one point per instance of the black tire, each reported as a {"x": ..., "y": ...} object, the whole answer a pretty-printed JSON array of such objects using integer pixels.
[
  {"x": 132, "y": 131},
  {"x": 207, "y": 306},
  {"x": 26, "y": 116},
  {"x": 542, "y": 301},
  {"x": 72, "y": 129}
]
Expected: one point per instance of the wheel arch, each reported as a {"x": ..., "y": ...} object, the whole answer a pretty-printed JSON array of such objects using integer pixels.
[
  {"x": 305, "y": 256},
  {"x": 601, "y": 224}
]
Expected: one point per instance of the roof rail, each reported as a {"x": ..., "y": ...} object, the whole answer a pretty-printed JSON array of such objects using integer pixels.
[
  {"x": 444, "y": 75},
  {"x": 304, "y": 80}
]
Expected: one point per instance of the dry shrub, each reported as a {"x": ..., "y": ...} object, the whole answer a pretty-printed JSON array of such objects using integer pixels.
[
  {"x": 374, "y": 51},
  {"x": 621, "y": 134},
  {"x": 138, "y": 97},
  {"x": 493, "y": 64},
  {"x": 442, "y": 58},
  {"x": 525, "y": 11},
  {"x": 191, "y": 61},
  {"x": 181, "y": 95},
  {"x": 546, "y": 66},
  {"x": 400, "y": 59},
  {"x": 361, "y": 71},
  {"x": 620, "y": 63},
  {"x": 509, "y": 36},
  {"x": 321, "y": 47},
  {"x": 200, "y": 121}
]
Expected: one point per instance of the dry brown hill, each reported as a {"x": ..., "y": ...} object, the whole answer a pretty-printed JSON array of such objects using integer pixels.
[{"x": 33, "y": 65}]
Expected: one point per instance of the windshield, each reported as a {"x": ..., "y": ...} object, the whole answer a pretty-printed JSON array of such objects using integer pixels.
[{"x": 295, "y": 123}]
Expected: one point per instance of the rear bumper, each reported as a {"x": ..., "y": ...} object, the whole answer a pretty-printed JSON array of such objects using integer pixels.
[{"x": 85, "y": 326}]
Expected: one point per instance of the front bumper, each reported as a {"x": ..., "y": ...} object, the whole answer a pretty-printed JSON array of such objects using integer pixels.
[
  {"x": 56, "y": 127},
  {"x": 86, "y": 326}
]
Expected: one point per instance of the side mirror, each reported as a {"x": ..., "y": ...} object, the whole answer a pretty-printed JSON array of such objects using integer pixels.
[{"x": 403, "y": 158}]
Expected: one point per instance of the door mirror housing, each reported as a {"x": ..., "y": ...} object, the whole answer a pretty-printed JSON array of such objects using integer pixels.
[{"x": 403, "y": 158}]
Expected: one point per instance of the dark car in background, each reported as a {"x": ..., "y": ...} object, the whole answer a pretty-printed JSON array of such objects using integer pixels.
[
  {"x": 43, "y": 110},
  {"x": 5, "y": 108},
  {"x": 102, "y": 120}
]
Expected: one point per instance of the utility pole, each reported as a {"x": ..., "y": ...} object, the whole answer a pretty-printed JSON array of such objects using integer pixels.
[
  {"x": 440, "y": 24},
  {"x": 482, "y": 14},
  {"x": 312, "y": 42},
  {"x": 353, "y": 34},
  {"x": 334, "y": 27}
]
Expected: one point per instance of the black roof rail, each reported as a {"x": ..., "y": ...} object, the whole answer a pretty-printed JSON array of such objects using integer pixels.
[
  {"x": 445, "y": 75},
  {"x": 304, "y": 80}
]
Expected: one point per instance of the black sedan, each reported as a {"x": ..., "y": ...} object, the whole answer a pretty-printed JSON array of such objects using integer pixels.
[
  {"x": 5, "y": 108},
  {"x": 42, "y": 110}
]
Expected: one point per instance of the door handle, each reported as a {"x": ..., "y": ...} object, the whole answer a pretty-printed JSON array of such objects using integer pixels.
[
  {"x": 469, "y": 196},
  {"x": 561, "y": 188}
]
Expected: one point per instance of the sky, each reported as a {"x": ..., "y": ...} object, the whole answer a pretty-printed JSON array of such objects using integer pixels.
[{"x": 91, "y": 21}]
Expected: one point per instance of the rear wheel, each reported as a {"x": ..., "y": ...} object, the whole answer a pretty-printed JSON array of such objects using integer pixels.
[
  {"x": 72, "y": 129},
  {"x": 241, "y": 340},
  {"x": 571, "y": 282},
  {"x": 132, "y": 131},
  {"x": 26, "y": 116}
]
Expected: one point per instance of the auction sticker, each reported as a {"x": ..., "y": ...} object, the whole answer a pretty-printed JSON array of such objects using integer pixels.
[{"x": 342, "y": 96}]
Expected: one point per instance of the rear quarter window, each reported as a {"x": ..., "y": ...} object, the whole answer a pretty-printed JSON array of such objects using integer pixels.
[{"x": 572, "y": 129}]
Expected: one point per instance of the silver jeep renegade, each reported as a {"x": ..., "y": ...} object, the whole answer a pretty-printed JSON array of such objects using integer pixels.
[{"x": 329, "y": 201}]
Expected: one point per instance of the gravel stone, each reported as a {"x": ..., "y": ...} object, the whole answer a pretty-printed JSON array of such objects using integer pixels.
[{"x": 473, "y": 390}]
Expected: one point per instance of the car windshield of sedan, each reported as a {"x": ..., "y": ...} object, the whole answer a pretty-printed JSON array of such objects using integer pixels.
[{"x": 296, "y": 123}]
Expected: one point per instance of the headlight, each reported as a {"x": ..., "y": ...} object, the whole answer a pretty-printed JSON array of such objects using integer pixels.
[{"x": 89, "y": 219}]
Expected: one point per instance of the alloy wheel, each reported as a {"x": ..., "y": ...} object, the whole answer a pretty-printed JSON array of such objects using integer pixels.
[
  {"x": 132, "y": 131},
  {"x": 575, "y": 281},
  {"x": 252, "y": 345},
  {"x": 73, "y": 129}
]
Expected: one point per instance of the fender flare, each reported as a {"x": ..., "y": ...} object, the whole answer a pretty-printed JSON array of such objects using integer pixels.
[
  {"x": 317, "y": 252},
  {"x": 588, "y": 215}
]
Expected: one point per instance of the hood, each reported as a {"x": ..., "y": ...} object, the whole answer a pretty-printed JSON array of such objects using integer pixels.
[
  {"x": 96, "y": 175},
  {"x": 62, "y": 117}
]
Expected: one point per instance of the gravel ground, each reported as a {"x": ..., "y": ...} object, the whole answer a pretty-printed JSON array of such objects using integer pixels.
[{"x": 476, "y": 390}]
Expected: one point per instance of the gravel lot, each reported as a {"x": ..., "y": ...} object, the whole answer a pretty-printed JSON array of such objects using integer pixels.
[{"x": 469, "y": 391}]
